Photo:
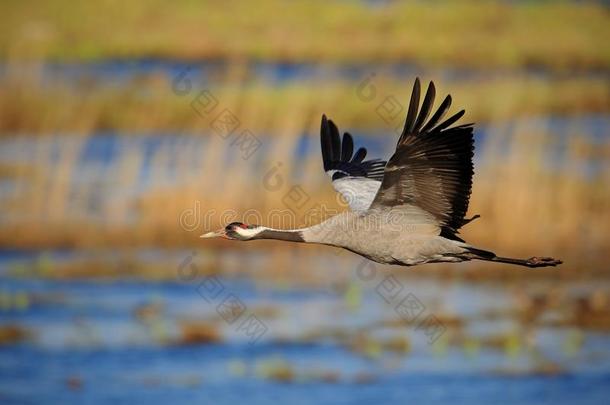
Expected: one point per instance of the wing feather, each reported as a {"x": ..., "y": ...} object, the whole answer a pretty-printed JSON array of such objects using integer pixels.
[
  {"x": 413, "y": 106},
  {"x": 347, "y": 147},
  {"x": 355, "y": 178},
  {"x": 432, "y": 166},
  {"x": 438, "y": 115},
  {"x": 425, "y": 108},
  {"x": 359, "y": 156}
]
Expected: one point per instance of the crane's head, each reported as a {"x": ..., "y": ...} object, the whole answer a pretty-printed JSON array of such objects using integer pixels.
[{"x": 236, "y": 231}]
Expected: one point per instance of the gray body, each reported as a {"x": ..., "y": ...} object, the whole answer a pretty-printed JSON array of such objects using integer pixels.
[{"x": 378, "y": 237}]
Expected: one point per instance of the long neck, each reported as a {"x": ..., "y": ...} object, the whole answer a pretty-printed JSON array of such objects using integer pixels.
[
  {"x": 319, "y": 233},
  {"x": 293, "y": 235}
]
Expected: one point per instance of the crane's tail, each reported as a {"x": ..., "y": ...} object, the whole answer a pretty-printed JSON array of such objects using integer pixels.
[{"x": 480, "y": 254}]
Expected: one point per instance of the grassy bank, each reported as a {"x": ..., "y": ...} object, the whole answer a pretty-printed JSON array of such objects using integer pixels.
[{"x": 484, "y": 34}]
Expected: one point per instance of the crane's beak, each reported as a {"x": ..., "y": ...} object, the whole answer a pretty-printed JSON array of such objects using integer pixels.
[{"x": 216, "y": 234}]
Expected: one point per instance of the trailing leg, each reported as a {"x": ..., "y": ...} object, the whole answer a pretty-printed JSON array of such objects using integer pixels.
[{"x": 479, "y": 254}]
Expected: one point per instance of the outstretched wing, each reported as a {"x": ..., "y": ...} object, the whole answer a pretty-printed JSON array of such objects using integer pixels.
[
  {"x": 357, "y": 180},
  {"x": 431, "y": 168}
]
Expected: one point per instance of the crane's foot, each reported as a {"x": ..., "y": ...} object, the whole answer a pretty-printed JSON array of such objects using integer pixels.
[{"x": 542, "y": 261}]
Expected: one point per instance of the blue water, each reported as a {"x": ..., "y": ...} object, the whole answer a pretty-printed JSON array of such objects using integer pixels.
[
  {"x": 89, "y": 345},
  {"x": 122, "y": 70},
  {"x": 179, "y": 375}
]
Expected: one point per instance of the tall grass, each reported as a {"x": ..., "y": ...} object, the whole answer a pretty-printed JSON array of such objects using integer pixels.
[{"x": 534, "y": 198}]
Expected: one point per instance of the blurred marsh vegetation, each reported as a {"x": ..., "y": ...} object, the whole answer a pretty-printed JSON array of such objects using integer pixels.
[
  {"x": 102, "y": 146},
  {"x": 111, "y": 167}
]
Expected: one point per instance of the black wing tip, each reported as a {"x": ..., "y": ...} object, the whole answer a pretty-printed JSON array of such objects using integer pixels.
[
  {"x": 333, "y": 127},
  {"x": 338, "y": 154},
  {"x": 413, "y": 107},
  {"x": 417, "y": 116},
  {"x": 326, "y": 143},
  {"x": 347, "y": 147},
  {"x": 359, "y": 155},
  {"x": 450, "y": 121},
  {"x": 426, "y": 108},
  {"x": 323, "y": 123},
  {"x": 334, "y": 148},
  {"x": 324, "y": 130}
]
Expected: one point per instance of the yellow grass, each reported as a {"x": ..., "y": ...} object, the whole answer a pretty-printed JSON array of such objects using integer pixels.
[
  {"x": 555, "y": 35},
  {"x": 31, "y": 105},
  {"x": 526, "y": 207}
]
